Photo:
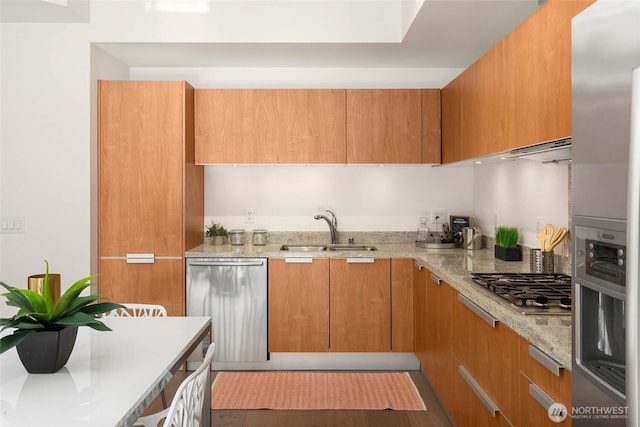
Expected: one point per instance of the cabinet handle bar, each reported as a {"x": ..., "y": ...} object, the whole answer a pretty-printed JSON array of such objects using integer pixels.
[
  {"x": 491, "y": 321},
  {"x": 541, "y": 397},
  {"x": 435, "y": 278},
  {"x": 545, "y": 360},
  {"x": 482, "y": 395}
]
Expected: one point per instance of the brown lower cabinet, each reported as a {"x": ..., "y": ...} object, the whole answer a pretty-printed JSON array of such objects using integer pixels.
[
  {"x": 542, "y": 382},
  {"x": 360, "y": 304},
  {"x": 484, "y": 373},
  {"x": 299, "y": 304},
  {"x": 166, "y": 277},
  {"x": 340, "y": 305}
]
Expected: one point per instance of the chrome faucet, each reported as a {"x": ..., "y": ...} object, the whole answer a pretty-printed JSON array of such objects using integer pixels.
[{"x": 333, "y": 225}]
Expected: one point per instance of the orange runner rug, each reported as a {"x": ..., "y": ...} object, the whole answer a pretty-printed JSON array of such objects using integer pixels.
[{"x": 315, "y": 390}]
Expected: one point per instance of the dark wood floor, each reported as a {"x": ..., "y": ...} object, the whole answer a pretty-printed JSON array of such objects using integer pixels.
[{"x": 434, "y": 416}]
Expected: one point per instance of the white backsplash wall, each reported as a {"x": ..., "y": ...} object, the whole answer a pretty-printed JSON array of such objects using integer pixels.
[
  {"x": 364, "y": 197},
  {"x": 522, "y": 193}
]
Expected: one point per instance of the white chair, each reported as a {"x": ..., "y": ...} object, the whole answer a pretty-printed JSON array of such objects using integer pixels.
[
  {"x": 138, "y": 310},
  {"x": 141, "y": 310},
  {"x": 188, "y": 402}
]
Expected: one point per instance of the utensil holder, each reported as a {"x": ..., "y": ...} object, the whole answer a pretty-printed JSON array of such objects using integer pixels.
[{"x": 541, "y": 261}]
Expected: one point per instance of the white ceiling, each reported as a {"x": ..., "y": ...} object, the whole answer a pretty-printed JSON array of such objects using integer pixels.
[{"x": 443, "y": 34}]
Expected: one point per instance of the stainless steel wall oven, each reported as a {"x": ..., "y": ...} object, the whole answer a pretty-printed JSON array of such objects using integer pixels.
[{"x": 599, "y": 286}]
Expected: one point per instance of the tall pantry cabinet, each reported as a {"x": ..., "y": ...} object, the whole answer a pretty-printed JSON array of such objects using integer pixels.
[{"x": 150, "y": 192}]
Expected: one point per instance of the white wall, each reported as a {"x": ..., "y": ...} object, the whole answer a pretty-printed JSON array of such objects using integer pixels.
[
  {"x": 45, "y": 150},
  {"x": 522, "y": 193},
  {"x": 364, "y": 197}
]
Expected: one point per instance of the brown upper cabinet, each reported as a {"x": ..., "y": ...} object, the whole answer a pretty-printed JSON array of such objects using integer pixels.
[
  {"x": 518, "y": 93},
  {"x": 431, "y": 126},
  {"x": 384, "y": 126},
  {"x": 270, "y": 126},
  {"x": 317, "y": 126}
]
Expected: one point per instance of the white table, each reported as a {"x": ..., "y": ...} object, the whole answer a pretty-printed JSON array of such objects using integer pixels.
[{"x": 110, "y": 378}]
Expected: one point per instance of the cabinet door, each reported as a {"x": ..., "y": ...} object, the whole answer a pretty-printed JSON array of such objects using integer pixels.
[
  {"x": 538, "y": 74},
  {"x": 451, "y": 121},
  {"x": 483, "y": 111},
  {"x": 467, "y": 409},
  {"x": 299, "y": 305},
  {"x": 141, "y": 142},
  {"x": 431, "y": 126},
  {"x": 360, "y": 307},
  {"x": 542, "y": 381},
  {"x": 437, "y": 363},
  {"x": 489, "y": 351},
  {"x": 420, "y": 274},
  {"x": 402, "y": 305},
  {"x": 384, "y": 126},
  {"x": 159, "y": 283},
  {"x": 270, "y": 126}
]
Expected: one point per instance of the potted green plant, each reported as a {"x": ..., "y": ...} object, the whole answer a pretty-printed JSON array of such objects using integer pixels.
[
  {"x": 507, "y": 248},
  {"x": 216, "y": 233},
  {"x": 45, "y": 331}
]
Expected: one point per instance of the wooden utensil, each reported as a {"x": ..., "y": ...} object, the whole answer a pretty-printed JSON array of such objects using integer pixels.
[
  {"x": 558, "y": 237},
  {"x": 544, "y": 235}
]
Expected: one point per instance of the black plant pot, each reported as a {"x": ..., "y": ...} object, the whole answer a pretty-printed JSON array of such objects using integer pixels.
[
  {"x": 45, "y": 352},
  {"x": 508, "y": 254}
]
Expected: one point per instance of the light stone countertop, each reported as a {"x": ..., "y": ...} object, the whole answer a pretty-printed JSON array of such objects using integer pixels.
[{"x": 551, "y": 334}]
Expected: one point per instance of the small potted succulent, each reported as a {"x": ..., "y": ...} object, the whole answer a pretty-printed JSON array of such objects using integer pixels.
[
  {"x": 507, "y": 248},
  {"x": 216, "y": 233},
  {"x": 45, "y": 331}
]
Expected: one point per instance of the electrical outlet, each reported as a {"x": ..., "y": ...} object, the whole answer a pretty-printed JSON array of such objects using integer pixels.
[
  {"x": 438, "y": 216},
  {"x": 539, "y": 223},
  {"x": 249, "y": 215},
  {"x": 495, "y": 220}
]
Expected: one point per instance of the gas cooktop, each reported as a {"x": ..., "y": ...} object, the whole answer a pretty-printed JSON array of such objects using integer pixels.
[{"x": 530, "y": 293}]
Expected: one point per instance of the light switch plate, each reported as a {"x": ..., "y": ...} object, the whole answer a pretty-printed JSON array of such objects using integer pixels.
[{"x": 11, "y": 224}]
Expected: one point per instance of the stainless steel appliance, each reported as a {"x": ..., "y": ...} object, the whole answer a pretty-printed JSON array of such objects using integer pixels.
[
  {"x": 599, "y": 329},
  {"x": 606, "y": 49},
  {"x": 233, "y": 291},
  {"x": 530, "y": 293}
]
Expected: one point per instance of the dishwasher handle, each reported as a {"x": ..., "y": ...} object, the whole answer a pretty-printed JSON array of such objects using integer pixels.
[{"x": 227, "y": 264}]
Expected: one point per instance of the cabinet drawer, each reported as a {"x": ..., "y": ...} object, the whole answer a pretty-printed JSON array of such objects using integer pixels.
[
  {"x": 534, "y": 406},
  {"x": 489, "y": 352},
  {"x": 542, "y": 370}
]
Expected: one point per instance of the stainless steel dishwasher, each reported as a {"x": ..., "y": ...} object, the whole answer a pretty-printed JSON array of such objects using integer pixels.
[{"x": 233, "y": 291}]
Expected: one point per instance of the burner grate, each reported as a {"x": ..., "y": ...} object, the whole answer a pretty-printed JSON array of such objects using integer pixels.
[{"x": 539, "y": 291}]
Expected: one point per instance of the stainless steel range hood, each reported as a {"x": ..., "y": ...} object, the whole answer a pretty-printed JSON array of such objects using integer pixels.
[{"x": 557, "y": 151}]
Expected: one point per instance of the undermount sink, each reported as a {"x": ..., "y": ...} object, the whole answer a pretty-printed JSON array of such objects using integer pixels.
[
  {"x": 352, "y": 248},
  {"x": 303, "y": 248},
  {"x": 315, "y": 248}
]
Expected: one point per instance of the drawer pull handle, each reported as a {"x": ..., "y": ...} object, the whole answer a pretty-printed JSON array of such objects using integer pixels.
[
  {"x": 491, "y": 321},
  {"x": 541, "y": 397},
  {"x": 141, "y": 258},
  {"x": 298, "y": 260},
  {"x": 482, "y": 395},
  {"x": 417, "y": 265},
  {"x": 545, "y": 360},
  {"x": 435, "y": 278},
  {"x": 360, "y": 260}
]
